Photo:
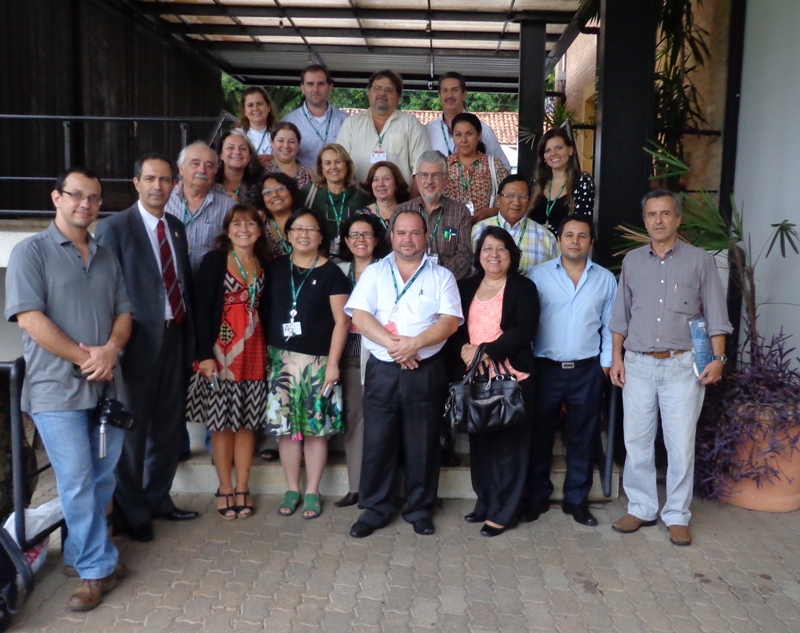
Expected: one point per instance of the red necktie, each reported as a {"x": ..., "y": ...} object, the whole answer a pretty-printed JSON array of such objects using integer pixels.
[{"x": 170, "y": 276}]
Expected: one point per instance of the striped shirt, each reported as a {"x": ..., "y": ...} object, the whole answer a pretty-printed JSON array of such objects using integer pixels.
[
  {"x": 203, "y": 226},
  {"x": 537, "y": 244},
  {"x": 449, "y": 227},
  {"x": 657, "y": 298}
]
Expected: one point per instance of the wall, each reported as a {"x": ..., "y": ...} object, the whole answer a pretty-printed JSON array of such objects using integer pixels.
[
  {"x": 84, "y": 57},
  {"x": 767, "y": 161}
]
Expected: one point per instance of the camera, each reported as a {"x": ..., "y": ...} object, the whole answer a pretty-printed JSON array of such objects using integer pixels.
[{"x": 112, "y": 413}]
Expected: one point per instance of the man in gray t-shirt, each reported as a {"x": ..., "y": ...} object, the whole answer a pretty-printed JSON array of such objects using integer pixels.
[{"x": 68, "y": 296}]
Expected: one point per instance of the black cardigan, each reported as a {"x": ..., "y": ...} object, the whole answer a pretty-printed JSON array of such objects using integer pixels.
[
  {"x": 210, "y": 293},
  {"x": 519, "y": 322}
]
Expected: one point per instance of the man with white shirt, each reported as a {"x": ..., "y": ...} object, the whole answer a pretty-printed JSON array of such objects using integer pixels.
[
  {"x": 152, "y": 248},
  {"x": 405, "y": 307},
  {"x": 382, "y": 132},
  {"x": 318, "y": 121},
  {"x": 452, "y": 94}
]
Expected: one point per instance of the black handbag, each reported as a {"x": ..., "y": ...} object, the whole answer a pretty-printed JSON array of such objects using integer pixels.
[{"x": 481, "y": 403}]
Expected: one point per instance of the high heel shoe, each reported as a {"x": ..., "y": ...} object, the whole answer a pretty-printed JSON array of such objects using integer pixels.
[
  {"x": 229, "y": 507},
  {"x": 491, "y": 530}
]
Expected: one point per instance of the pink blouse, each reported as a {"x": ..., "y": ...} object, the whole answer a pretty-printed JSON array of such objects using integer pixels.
[{"x": 484, "y": 325}]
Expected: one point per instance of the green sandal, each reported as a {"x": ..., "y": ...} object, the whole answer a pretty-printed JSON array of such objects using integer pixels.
[
  {"x": 311, "y": 504},
  {"x": 291, "y": 499}
]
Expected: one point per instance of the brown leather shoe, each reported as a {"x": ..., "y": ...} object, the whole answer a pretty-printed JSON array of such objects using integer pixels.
[
  {"x": 679, "y": 535},
  {"x": 90, "y": 592},
  {"x": 630, "y": 523}
]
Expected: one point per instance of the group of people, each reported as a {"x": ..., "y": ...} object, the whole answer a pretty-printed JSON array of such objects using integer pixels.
[{"x": 306, "y": 288}]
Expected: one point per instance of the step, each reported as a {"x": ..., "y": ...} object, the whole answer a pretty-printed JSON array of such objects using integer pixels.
[{"x": 198, "y": 475}]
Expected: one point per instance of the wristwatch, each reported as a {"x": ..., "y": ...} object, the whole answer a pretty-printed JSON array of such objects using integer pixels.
[{"x": 722, "y": 359}]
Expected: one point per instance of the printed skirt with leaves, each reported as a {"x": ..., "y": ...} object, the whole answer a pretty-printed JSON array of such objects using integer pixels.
[{"x": 295, "y": 405}]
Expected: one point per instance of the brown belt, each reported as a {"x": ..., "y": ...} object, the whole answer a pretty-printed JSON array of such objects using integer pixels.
[{"x": 666, "y": 354}]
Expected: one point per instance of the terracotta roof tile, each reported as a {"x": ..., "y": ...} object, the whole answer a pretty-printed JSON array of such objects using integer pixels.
[{"x": 504, "y": 124}]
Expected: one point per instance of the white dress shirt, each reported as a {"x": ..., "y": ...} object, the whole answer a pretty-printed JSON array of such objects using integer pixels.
[
  {"x": 442, "y": 139},
  {"x": 151, "y": 227},
  {"x": 433, "y": 293}
]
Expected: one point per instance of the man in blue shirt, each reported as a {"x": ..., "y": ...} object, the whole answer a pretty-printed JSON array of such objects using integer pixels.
[{"x": 573, "y": 354}]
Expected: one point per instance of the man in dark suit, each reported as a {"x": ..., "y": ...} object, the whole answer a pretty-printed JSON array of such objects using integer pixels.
[{"x": 151, "y": 246}]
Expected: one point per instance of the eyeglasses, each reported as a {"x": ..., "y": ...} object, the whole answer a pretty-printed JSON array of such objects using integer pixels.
[
  {"x": 435, "y": 176},
  {"x": 384, "y": 90},
  {"x": 79, "y": 196},
  {"x": 515, "y": 196},
  {"x": 367, "y": 235},
  {"x": 500, "y": 250},
  {"x": 305, "y": 229},
  {"x": 276, "y": 189}
]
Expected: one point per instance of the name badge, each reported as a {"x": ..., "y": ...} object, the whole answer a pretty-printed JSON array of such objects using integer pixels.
[
  {"x": 391, "y": 327},
  {"x": 335, "y": 245},
  {"x": 471, "y": 207},
  {"x": 377, "y": 157},
  {"x": 292, "y": 329},
  {"x": 434, "y": 257}
]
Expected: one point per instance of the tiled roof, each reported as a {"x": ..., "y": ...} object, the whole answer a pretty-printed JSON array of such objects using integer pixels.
[{"x": 504, "y": 124}]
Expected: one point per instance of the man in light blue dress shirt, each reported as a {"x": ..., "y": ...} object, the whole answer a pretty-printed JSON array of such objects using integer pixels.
[{"x": 573, "y": 354}]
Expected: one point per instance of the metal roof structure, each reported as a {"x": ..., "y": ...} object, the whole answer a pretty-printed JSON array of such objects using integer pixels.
[{"x": 270, "y": 41}]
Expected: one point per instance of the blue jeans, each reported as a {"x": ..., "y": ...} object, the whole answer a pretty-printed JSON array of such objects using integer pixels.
[
  {"x": 667, "y": 386},
  {"x": 85, "y": 484}
]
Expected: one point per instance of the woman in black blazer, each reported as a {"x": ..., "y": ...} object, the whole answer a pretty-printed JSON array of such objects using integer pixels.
[
  {"x": 501, "y": 309},
  {"x": 229, "y": 394}
]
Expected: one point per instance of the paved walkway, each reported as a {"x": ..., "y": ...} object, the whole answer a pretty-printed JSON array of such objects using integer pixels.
[{"x": 290, "y": 575}]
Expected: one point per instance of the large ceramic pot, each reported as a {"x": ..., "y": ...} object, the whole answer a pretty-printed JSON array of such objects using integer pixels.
[{"x": 769, "y": 453}]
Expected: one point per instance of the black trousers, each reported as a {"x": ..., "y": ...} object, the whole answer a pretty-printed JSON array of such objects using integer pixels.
[
  {"x": 499, "y": 465},
  {"x": 149, "y": 457},
  {"x": 401, "y": 406},
  {"x": 580, "y": 389}
]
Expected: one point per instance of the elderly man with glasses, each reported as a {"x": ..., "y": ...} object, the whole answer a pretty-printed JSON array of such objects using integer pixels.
[
  {"x": 449, "y": 221},
  {"x": 537, "y": 244}
]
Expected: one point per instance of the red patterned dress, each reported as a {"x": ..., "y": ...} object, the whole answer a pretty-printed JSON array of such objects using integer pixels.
[{"x": 241, "y": 355}]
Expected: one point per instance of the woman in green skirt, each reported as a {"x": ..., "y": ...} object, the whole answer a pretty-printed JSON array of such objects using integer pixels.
[{"x": 307, "y": 333}]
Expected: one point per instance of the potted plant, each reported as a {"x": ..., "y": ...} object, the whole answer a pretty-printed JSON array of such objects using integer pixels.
[{"x": 748, "y": 434}]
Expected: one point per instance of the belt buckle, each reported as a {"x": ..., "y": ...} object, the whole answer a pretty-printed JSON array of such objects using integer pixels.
[{"x": 569, "y": 365}]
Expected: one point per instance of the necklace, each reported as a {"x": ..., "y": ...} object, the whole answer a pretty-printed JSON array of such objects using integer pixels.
[{"x": 496, "y": 286}]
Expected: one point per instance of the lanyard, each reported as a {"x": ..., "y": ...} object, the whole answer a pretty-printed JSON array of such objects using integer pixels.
[
  {"x": 251, "y": 288},
  {"x": 324, "y": 139},
  {"x": 263, "y": 136},
  {"x": 380, "y": 217},
  {"x": 380, "y": 136},
  {"x": 296, "y": 293},
  {"x": 408, "y": 285},
  {"x": 446, "y": 138},
  {"x": 352, "y": 274},
  {"x": 521, "y": 233},
  {"x": 436, "y": 226},
  {"x": 551, "y": 203},
  {"x": 466, "y": 184},
  {"x": 337, "y": 215},
  {"x": 287, "y": 248},
  {"x": 188, "y": 217}
]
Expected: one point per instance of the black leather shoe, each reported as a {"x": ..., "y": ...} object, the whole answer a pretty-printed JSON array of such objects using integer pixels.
[
  {"x": 360, "y": 530},
  {"x": 532, "y": 513},
  {"x": 350, "y": 499},
  {"x": 580, "y": 513},
  {"x": 424, "y": 526},
  {"x": 176, "y": 514},
  {"x": 490, "y": 530},
  {"x": 474, "y": 517},
  {"x": 142, "y": 533},
  {"x": 185, "y": 456}
]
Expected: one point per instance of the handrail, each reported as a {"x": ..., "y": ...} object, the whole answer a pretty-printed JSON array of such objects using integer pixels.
[{"x": 16, "y": 374}]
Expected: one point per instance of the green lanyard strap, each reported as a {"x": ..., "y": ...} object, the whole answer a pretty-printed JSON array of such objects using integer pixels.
[
  {"x": 521, "y": 233},
  {"x": 436, "y": 226},
  {"x": 337, "y": 215},
  {"x": 188, "y": 216},
  {"x": 408, "y": 285},
  {"x": 324, "y": 139},
  {"x": 450, "y": 150},
  {"x": 296, "y": 292},
  {"x": 465, "y": 184},
  {"x": 380, "y": 217},
  {"x": 251, "y": 288},
  {"x": 552, "y": 203},
  {"x": 287, "y": 248}
]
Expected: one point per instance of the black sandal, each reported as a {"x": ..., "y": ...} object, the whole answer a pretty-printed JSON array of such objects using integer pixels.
[
  {"x": 270, "y": 455},
  {"x": 229, "y": 507},
  {"x": 244, "y": 511}
]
